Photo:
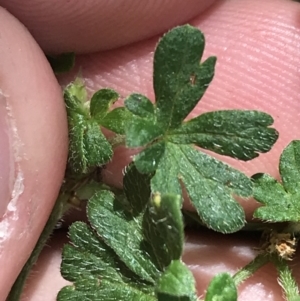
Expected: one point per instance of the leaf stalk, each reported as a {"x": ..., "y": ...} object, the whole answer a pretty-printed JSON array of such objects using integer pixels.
[
  {"x": 247, "y": 271},
  {"x": 286, "y": 280}
]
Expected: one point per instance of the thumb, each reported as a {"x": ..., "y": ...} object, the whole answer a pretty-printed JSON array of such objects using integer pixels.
[{"x": 33, "y": 135}]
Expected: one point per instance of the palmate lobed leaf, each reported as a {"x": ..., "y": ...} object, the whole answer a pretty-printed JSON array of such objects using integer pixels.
[
  {"x": 88, "y": 260},
  {"x": 88, "y": 147},
  {"x": 138, "y": 236},
  {"x": 281, "y": 200},
  {"x": 210, "y": 184},
  {"x": 179, "y": 82},
  {"x": 289, "y": 167},
  {"x": 130, "y": 246}
]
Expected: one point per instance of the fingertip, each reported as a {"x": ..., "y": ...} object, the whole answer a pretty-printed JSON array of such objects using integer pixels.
[
  {"x": 37, "y": 137},
  {"x": 90, "y": 26}
]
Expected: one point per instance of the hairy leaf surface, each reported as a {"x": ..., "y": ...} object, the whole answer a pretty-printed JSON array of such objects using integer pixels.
[
  {"x": 176, "y": 283},
  {"x": 238, "y": 134},
  {"x": 221, "y": 288},
  {"x": 132, "y": 243},
  {"x": 87, "y": 145},
  {"x": 281, "y": 201},
  {"x": 180, "y": 80}
]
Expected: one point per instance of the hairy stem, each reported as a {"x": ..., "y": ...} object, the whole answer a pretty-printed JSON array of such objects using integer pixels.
[
  {"x": 286, "y": 280},
  {"x": 250, "y": 268}
]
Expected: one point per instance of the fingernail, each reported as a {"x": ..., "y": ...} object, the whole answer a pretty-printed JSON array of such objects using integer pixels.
[{"x": 6, "y": 158}]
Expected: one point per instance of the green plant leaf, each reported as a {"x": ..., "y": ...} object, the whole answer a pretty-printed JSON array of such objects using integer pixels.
[
  {"x": 137, "y": 190},
  {"x": 62, "y": 63},
  {"x": 140, "y": 105},
  {"x": 176, "y": 283},
  {"x": 178, "y": 78},
  {"x": 210, "y": 184},
  {"x": 118, "y": 257},
  {"x": 89, "y": 259},
  {"x": 98, "y": 259},
  {"x": 238, "y": 134},
  {"x": 100, "y": 110},
  {"x": 169, "y": 142},
  {"x": 90, "y": 290},
  {"x": 140, "y": 132},
  {"x": 162, "y": 215},
  {"x": 132, "y": 247},
  {"x": 148, "y": 160},
  {"x": 281, "y": 200},
  {"x": 116, "y": 120},
  {"x": 221, "y": 288},
  {"x": 107, "y": 217},
  {"x": 101, "y": 102},
  {"x": 88, "y": 148}
]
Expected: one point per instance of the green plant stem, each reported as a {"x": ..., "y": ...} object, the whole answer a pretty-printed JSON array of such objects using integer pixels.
[
  {"x": 59, "y": 209},
  {"x": 247, "y": 271},
  {"x": 286, "y": 280}
]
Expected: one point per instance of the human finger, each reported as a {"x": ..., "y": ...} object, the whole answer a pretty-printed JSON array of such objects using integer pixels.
[
  {"x": 93, "y": 25},
  {"x": 34, "y": 138}
]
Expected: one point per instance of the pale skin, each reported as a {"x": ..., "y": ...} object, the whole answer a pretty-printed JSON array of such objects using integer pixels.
[{"x": 256, "y": 43}]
